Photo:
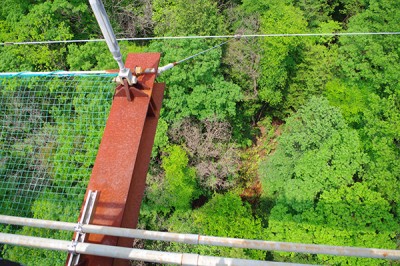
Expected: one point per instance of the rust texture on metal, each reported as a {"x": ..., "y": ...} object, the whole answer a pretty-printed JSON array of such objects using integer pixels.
[
  {"x": 138, "y": 183},
  {"x": 121, "y": 165}
]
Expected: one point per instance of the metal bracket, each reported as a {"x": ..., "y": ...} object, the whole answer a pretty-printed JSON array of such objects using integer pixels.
[
  {"x": 78, "y": 228},
  {"x": 72, "y": 250},
  {"x": 125, "y": 75},
  {"x": 132, "y": 91},
  {"x": 131, "y": 82},
  {"x": 127, "y": 91},
  {"x": 80, "y": 236}
]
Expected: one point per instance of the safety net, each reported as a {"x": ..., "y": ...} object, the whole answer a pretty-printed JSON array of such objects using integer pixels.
[{"x": 50, "y": 130}]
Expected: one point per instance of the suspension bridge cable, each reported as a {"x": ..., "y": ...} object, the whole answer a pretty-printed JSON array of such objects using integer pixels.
[
  {"x": 102, "y": 72},
  {"x": 171, "y": 65},
  {"x": 268, "y": 35},
  {"x": 202, "y": 52}
]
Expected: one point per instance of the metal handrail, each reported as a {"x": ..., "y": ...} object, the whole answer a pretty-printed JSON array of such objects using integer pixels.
[{"x": 195, "y": 239}]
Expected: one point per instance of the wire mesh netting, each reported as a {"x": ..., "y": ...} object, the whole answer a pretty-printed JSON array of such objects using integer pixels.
[{"x": 50, "y": 130}]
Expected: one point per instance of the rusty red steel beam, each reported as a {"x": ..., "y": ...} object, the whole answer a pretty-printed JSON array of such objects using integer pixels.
[{"x": 120, "y": 169}]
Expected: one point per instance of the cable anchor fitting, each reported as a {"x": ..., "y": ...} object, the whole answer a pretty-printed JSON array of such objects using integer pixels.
[{"x": 126, "y": 74}]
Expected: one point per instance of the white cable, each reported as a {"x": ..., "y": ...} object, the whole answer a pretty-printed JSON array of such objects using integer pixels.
[
  {"x": 200, "y": 53},
  {"x": 171, "y": 65},
  {"x": 210, "y": 37}
]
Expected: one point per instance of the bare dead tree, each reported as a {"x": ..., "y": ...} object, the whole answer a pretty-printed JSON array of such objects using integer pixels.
[
  {"x": 133, "y": 17},
  {"x": 243, "y": 56},
  {"x": 208, "y": 143}
]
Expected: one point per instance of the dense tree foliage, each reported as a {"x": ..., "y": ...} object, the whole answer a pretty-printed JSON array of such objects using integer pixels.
[
  {"x": 316, "y": 143},
  {"x": 282, "y": 138},
  {"x": 224, "y": 215},
  {"x": 315, "y": 177}
]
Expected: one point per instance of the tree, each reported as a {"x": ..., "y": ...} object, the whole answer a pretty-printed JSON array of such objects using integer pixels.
[
  {"x": 281, "y": 55},
  {"x": 373, "y": 60},
  {"x": 352, "y": 100},
  {"x": 242, "y": 60},
  {"x": 380, "y": 136},
  {"x": 319, "y": 180},
  {"x": 161, "y": 138},
  {"x": 47, "y": 20},
  {"x": 210, "y": 151},
  {"x": 178, "y": 187},
  {"x": 130, "y": 18},
  {"x": 347, "y": 216},
  {"x": 196, "y": 88},
  {"x": 197, "y": 17},
  {"x": 96, "y": 56},
  {"x": 316, "y": 12},
  {"x": 377, "y": 121},
  {"x": 224, "y": 215},
  {"x": 369, "y": 89},
  {"x": 312, "y": 74},
  {"x": 317, "y": 152},
  {"x": 292, "y": 69}
]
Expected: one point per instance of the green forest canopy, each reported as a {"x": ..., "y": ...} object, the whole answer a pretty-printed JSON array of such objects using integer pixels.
[{"x": 332, "y": 175}]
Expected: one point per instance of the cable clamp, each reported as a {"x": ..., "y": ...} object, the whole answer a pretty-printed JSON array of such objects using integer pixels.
[
  {"x": 72, "y": 247},
  {"x": 238, "y": 36},
  {"x": 78, "y": 228}
]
